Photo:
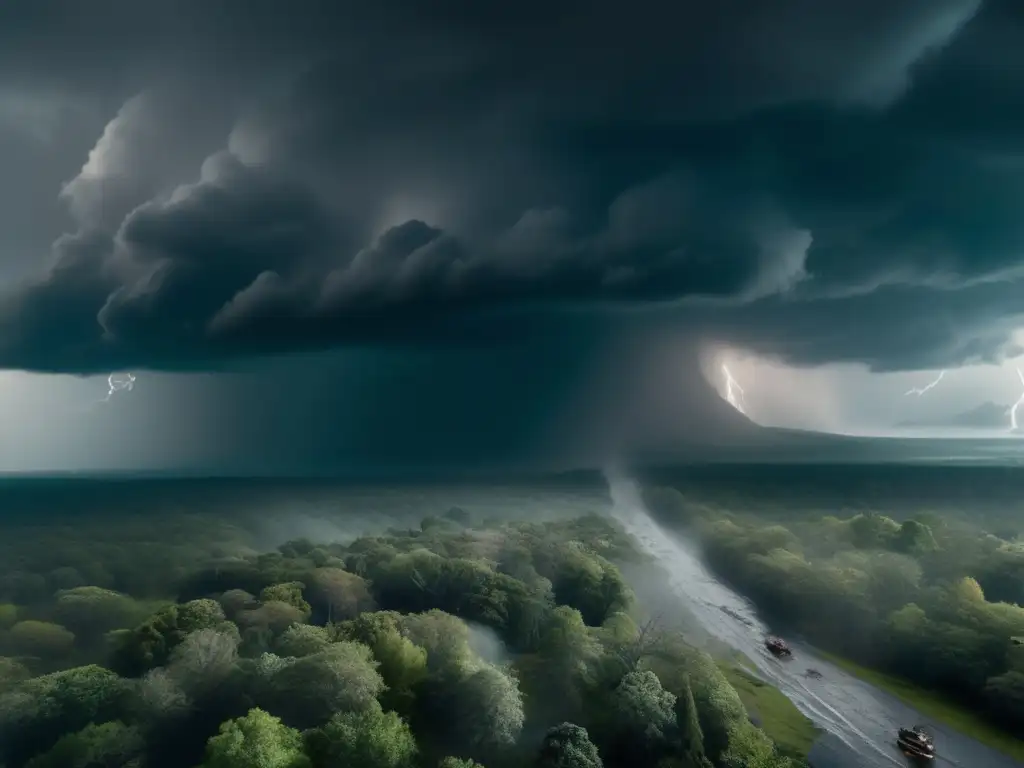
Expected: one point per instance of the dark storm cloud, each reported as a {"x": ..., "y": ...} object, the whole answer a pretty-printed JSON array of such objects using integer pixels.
[{"x": 816, "y": 181}]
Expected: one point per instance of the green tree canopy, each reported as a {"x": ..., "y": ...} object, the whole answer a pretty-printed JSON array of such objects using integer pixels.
[
  {"x": 488, "y": 708},
  {"x": 370, "y": 738},
  {"x": 110, "y": 745},
  {"x": 92, "y": 611},
  {"x": 40, "y": 638},
  {"x": 568, "y": 746},
  {"x": 290, "y": 593},
  {"x": 341, "y": 678},
  {"x": 302, "y": 640},
  {"x": 150, "y": 644},
  {"x": 257, "y": 740}
]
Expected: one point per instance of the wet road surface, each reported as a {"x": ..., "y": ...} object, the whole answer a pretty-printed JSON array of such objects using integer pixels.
[{"x": 859, "y": 721}]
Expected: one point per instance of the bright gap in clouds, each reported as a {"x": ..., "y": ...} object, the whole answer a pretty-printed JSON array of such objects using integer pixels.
[
  {"x": 850, "y": 399},
  {"x": 54, "y": 422},
  {"x": 431, "y": 209}
]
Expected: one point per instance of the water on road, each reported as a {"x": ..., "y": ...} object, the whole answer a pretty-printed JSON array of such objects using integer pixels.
[{"x": 859, "y": 721}]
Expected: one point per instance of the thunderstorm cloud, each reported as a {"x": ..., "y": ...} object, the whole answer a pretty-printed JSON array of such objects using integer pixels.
[{"x": 815, "y": 182}]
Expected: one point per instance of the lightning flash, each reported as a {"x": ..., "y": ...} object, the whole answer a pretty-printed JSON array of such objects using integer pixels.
[
  {"x": 733, "y": 391},
  {"x": 1013, "y": 409},
  {"x": 921, "y": 390},
  {"x": 117, "y": 382}
]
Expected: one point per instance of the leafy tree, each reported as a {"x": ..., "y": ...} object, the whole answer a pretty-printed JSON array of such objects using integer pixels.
[
  {"x": 110, "y": 745},
  {"x": 12, "y": 671},
  {"x": 720, "y": 710},
  {"x": 40, "y": 710},
  {"x": 257, "y": 740},
  {"x": 914, "y": 537},
  {"x": 402, "y": 663},
  {"x": 367, "y": 626},
  {"x": 639, "y": 718},
  {"x": 199, "y": 614},
  {"x": 488, "y": 708},
  {"x": 159, "y": 696},
  {"x": 750, "y": 748},
  {"x": 568, "y": 746},
  {"x": 297, "y": 548},
  {"x": 568, "y": 657},
  {"x": 872, "y": 531},
  {"x": 150, "y": 644},
  {"x": 235, "y": 600},
  {"x": 432, "y": 523},
  {"x": 458, "y": 762},
  {"x": 40, "y": 638},
  {"x": 1002, "y": 578},
  {"x": 422, "y": 580},
  {"x": 444, "y": 637},
  {"x": 371, "y": 738},
  {"x": 203, "y": 660},
  {"x": 8, "y": 615},
  {"x": 302, "y": 640},
  {"x": 1005, "y": 697},
  {"x": 343, "y": 677},
  {"x": 893, "y": 581},
  {"x": 340, "y": 595},
  {"x": 1015, "y": 654},
  {"x": 592, "y": 585},
  {"x": 272, "y": 618},
  {"x": 690, "y": 733},
  {"x": 642, "y": 705},
  {"x": 92, "y": 611},
  {"x": 289, "y": 593}
]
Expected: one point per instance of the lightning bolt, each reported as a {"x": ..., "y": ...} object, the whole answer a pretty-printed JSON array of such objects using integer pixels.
[
  {"x": 117, "y": 382},
  {"x": 921, "y": 390},
  {"x": 1013, "y": 409},
  {"x": 732, "y": 387}
]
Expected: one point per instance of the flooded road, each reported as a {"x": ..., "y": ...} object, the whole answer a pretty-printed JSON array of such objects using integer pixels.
[{"x": 859, "y": 721}]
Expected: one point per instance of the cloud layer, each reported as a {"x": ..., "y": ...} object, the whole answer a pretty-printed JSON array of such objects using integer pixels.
[{"x": 818, "y": 182}]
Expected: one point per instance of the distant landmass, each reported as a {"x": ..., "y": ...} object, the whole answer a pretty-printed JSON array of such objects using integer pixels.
[{"x": 988, "y": 415}]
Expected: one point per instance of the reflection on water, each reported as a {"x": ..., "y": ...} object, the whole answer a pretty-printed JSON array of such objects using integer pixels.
[{"x": 859, "y": 721}]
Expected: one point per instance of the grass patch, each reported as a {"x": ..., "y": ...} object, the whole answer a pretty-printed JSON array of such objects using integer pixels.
[
  {"x": 776, "y": 715},
  {"x": 934, "y": 705}
]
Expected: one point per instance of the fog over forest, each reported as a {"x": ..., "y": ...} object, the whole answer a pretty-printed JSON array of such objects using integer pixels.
[{"x": 563, "y": 623}]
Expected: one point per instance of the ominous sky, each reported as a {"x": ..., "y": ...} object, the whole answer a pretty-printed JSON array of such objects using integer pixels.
[{"x": 334, "y": 233}]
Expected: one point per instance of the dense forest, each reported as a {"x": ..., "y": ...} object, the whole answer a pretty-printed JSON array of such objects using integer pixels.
[
  {"x": 169, "y": 642},
  {"x": 936, "y": 600}
]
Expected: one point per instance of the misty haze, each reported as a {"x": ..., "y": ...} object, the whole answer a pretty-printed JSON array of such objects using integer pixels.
[{"x": 677, "y": 572}]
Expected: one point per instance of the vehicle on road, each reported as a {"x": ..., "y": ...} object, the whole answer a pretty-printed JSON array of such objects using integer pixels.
[
  {"x": 916, "y": 743},
  {"x": 778, "y": 647}
]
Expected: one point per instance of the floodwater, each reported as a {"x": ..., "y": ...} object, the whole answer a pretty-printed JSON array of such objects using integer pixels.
[{"x": 858, "y": 721}]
